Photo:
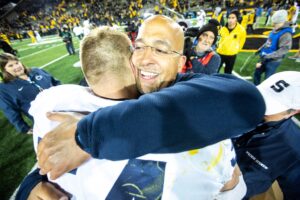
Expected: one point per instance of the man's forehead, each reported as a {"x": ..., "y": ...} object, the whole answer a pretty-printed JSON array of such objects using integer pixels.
[
  {"x": 157, "y": 36},
  {"x": 153, "y": 41},
  {"x": 161, "y": 31}
]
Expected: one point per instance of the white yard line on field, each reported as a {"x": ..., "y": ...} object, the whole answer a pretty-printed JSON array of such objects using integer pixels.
[
  {"x": 45, "y": 41},
  {"x": 40, "y": 51},
  {"x": 242, "y": 77},
  {"x": 55, "y": 60},
  {"x": 296, "y": 121}
]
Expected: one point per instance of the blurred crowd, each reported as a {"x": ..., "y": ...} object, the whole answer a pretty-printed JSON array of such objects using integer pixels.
[{"x": 48, "y": 17}]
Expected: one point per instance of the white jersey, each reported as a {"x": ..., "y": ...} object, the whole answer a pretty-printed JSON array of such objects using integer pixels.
[
  {"x": 78, "y": 30},
  {"x": 38, "y": 36},
  {"x": 196, "y": 174},
  {"x": 201, "y": 18},
  {"x": 86, "y": 27}
]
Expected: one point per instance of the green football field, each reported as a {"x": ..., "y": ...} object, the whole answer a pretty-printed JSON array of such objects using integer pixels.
[{"x": 16, "y": 150}]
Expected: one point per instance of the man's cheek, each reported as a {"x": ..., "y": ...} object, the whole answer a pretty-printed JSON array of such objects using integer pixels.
[{"x": 133, "y": 67}]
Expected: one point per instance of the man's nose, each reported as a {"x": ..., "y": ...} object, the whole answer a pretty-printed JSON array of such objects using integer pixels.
[
  {"x": 148, "y": 51},
  {"x": 147, "y": 55}
]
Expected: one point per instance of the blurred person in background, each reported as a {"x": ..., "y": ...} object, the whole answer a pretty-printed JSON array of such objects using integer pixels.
[
  {"x": 202, "y": 58},
  {"x": 296, "y": 56},
  {"x": 275, "y": 48},
  {"x": 67, "y": 38},
  {"x": 32, "y": 36},
  {"x": 233, "y": 37},
  {"x": 7, "y": 48},
  {"x": 78, "y": 31},
  {"x": 293, "y": 15},
  {"x": 20, "y": 86}
]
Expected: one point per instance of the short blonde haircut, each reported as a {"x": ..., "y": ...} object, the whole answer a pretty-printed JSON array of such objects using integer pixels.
[{"x": 104, "y": 50}]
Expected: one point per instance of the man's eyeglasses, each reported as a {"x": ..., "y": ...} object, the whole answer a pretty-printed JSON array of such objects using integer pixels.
[{"x": 140, "y": 49}]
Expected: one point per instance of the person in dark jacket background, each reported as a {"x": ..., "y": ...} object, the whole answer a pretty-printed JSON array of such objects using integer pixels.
[
  {"x": 67, "y": 38},
  {"x": 7, "y": 48},
  {"x": 19, "y": 87},
  {"x": 202, "y": 58}
]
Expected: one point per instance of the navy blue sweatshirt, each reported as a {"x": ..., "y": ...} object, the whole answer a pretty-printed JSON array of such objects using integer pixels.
[
  {"x": 268, "y": 153},
  {"x": 196, "y": 111},
  {"x": 16, "y": 95},
  {"x": 211, "y": 67}
]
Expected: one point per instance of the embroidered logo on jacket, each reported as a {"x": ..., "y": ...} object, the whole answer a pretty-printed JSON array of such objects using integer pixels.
[{"x": 38, "y": 77}]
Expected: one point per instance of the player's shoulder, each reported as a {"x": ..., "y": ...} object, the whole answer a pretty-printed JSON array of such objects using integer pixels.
[
  {"x": 65, "y": 90},
  {"x": 60, "y": 93}
]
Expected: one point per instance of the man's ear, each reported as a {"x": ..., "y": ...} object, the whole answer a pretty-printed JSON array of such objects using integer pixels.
[{"x": 181, "y": 63}]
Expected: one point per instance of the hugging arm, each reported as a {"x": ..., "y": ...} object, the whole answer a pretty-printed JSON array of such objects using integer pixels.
[{"x": 195, "y": 112}]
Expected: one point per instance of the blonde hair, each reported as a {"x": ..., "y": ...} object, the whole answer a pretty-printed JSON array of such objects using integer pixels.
[{"x": 104, "y": 50}]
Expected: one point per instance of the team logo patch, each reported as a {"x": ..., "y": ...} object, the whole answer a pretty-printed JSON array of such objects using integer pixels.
[{"x": 38, "y": 77}]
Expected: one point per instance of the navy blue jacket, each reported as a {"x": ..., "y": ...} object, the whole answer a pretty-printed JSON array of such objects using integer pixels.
[
  {"x": 16, "y": 95},
  {"x": 271, "y": 152},
  {"x": 29, "y": 183},
  {"x": 211, "y": 67},
  {"x": 196, "y": 111}
]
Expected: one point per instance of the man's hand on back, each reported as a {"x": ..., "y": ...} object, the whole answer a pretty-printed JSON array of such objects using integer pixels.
[{"x": 58, "y": 152}]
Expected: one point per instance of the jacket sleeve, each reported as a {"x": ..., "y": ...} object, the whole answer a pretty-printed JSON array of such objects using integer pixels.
[
  {"x": 193, "y": 113},
  {"x": 214, "y": 63},
  {"x": 211, "y": 67},
  {"x": 285, "y": 44},
  {"x": 13, "y": 114},
  {"x": 243, "y": 38},
  {"x": 29, "y": 183}
]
